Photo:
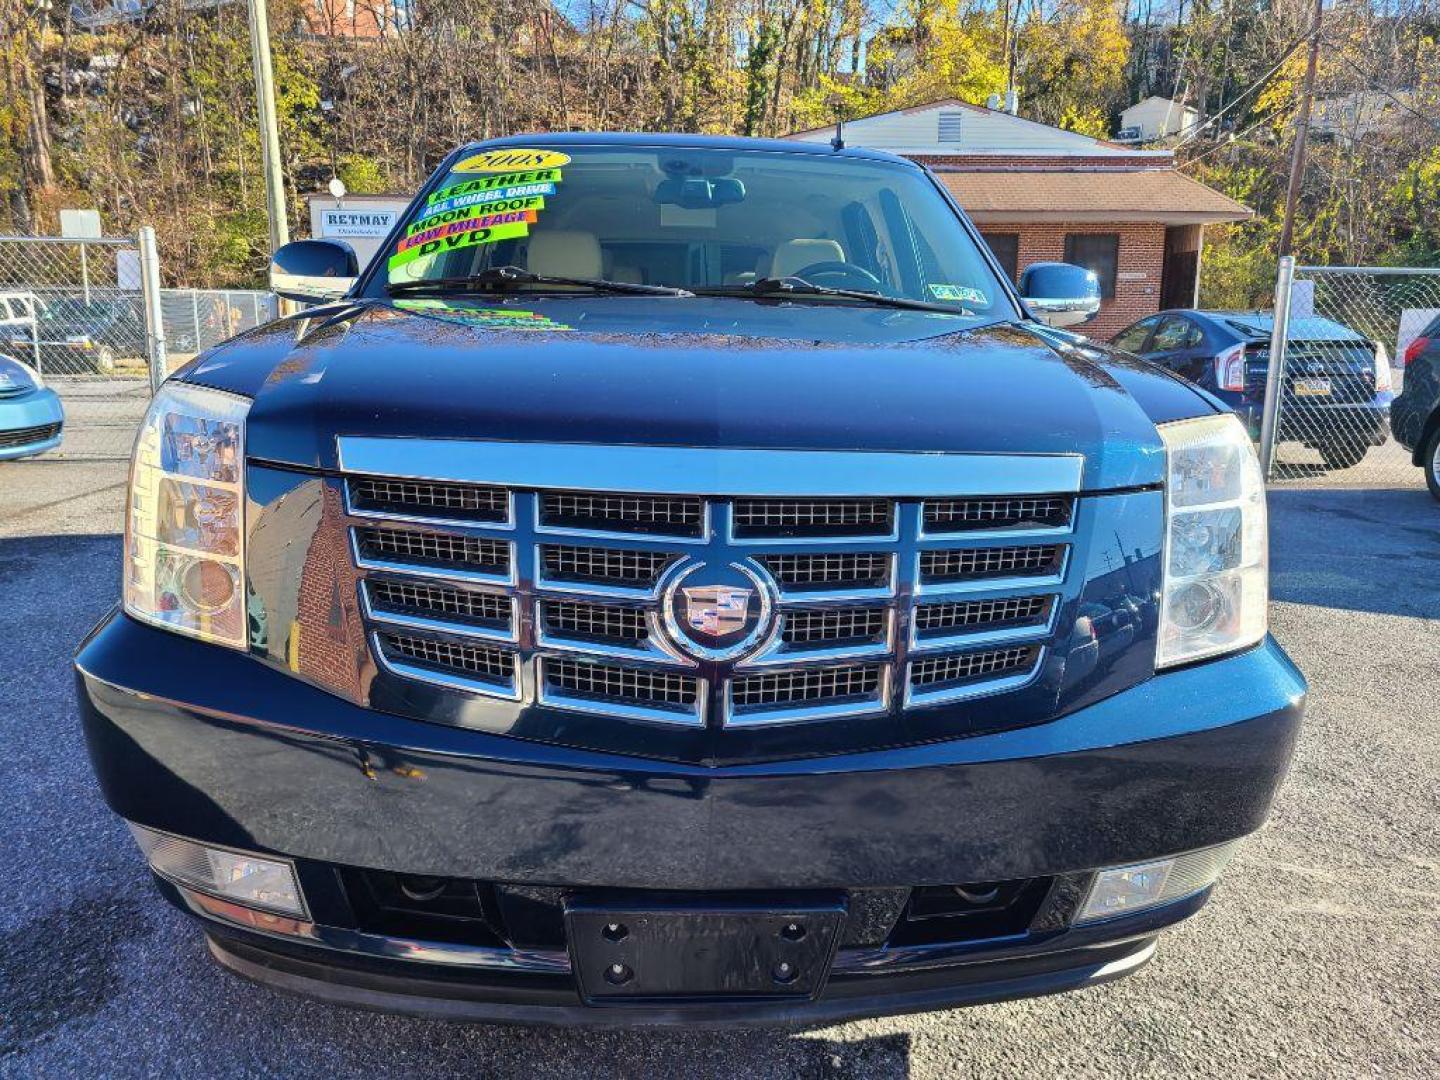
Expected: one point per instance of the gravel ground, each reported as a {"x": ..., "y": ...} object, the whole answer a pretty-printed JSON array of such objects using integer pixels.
[{"x": 1319, "y": 955}]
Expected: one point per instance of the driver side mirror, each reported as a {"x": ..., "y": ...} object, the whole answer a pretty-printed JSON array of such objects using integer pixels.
[
  {"x": 314, "y": 271},
  {"x": 1060, "y": 294}
]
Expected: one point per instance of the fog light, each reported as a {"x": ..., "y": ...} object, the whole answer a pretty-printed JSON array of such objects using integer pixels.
[
  {"x": 1123, "y": 890},
  {"x": 256, "y": 882}
]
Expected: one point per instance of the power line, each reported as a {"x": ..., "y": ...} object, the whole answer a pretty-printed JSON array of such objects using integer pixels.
[
  {"x": 1232, "y": 141},
  {"x": 1258, "y": 84}
]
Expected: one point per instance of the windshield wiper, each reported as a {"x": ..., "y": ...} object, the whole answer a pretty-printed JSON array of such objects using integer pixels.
[
  {"x": 499, "y": 278},
  {"x": 798, "y": 286}
]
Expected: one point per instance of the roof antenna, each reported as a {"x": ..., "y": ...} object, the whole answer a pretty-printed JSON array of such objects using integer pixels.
[{"x": 837, "y": 102}]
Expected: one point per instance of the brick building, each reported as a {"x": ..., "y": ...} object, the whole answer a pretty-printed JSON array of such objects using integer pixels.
[{"x": 1038, "y": 194}]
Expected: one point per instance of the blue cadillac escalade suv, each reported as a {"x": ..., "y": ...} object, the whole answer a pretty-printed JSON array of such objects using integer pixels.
[{"x": 681, "y": 580}]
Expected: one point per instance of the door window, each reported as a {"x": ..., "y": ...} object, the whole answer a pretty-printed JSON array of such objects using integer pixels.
[
  {"x": 1132, "y": 338},
  {"x": 1174, "y": 334}
]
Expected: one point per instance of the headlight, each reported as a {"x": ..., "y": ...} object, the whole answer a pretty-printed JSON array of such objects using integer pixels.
[
  {"x": 1216, "y": 580},
  {"x": 83, "y": 340},
  {"x": 15, "y": 376},
  {"x": 184, "y": 529}
]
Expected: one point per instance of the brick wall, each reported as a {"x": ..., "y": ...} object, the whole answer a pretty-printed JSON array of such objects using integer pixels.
[
  {"x": 1137, "y": 281},
  {"x": 344, "y": 18}
]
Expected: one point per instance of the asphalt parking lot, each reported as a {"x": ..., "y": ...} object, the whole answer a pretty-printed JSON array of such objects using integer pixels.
[{"x": 1318, "y": 957}]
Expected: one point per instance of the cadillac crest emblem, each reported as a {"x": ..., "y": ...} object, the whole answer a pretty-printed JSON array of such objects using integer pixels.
[{"x": 716, "y": 610}]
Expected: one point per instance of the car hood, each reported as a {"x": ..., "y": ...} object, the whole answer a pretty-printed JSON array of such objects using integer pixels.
[{"x": 709, "y": 372}]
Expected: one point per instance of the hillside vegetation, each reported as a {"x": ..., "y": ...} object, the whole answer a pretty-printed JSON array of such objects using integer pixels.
[{"x": 152, "y": 121}]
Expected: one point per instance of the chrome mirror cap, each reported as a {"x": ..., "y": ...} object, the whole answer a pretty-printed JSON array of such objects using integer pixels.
[
  {"x": 314, "y": 271},
  {"x": 1060, "y": 294}
]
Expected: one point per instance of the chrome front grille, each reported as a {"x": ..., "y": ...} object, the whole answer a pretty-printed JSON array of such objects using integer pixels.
[
  {"x": 444, "y": 603},
  {"x": 832, "y": 570},
  {"x": 585, "y": 684},
  {"x": 428, "y": 499},
  {"x": 435, "y": 549},
  {"x": 829, "y": 626},
  {"x": 978, "y": 613},
  {"x": 752, "y": 518},
  {"x": 430, "y": 657},
  {"x": 973, "y": 564},
  {"x": 967, "y": 667},
  {"x": 836, "y": 690},
  {"x": 581, "y": 511},
  {"x": 607, "y": 566},
  {"x": 601, "y": 622},
  {"x": 575, "y": 600},
  {"x": 1019, "y": 512}
]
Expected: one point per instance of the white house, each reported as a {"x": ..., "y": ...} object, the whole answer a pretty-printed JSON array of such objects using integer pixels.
[{"x": 1156, "y": 117}]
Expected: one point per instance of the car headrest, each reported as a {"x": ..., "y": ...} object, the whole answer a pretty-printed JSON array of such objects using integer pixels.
[
  {"x": 794, "y": 255},
  {"x": 565, "y": 253}
]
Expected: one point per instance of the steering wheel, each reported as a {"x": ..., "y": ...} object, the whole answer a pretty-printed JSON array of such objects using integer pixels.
[{"x": 840, "y": 275}]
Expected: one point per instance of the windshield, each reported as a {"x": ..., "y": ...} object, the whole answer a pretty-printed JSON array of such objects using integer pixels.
[{"x": 706, "y": 220}]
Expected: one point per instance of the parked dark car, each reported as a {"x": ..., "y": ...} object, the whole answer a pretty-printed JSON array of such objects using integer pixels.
[
  {"x": 74, "y": 336},
  {"x": 1415, "y": 416},
  {"x": 1337, "y": 394},
  {"x": 680, "y": 582},
  {"x": 31, "y": 417}
]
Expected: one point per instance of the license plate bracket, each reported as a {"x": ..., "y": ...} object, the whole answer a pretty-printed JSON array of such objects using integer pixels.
[{"x": 628, "y": 951}]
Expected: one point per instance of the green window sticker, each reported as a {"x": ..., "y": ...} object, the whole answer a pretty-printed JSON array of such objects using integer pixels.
[{"x": 959, "y": 294}]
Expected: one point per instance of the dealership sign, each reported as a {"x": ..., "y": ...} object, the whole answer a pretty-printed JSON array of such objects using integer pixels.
[{"x": 357, "y": 223}]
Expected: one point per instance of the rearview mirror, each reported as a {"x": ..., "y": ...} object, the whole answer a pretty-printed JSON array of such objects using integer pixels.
[
  {"x": 1060, "y": 294},
  {"x": 697, "y": 193},
  {"x": 314, "y": 271}
]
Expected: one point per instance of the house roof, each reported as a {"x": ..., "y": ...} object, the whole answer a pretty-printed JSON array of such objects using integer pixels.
[
  {"x": 950, "y": 126},
  {"x": 1097, "y": 195}
]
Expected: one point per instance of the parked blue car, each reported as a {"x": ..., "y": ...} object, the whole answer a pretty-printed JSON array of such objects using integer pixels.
[
  {"x": 1337, "y": 393},
  {"x": 30, "y": 414}
]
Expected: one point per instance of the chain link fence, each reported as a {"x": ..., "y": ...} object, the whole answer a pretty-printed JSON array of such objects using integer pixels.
[
  {"x": 89, "y": 316},
  {"x": 1338, "y": 346},
  {"x": 196, "y": 319}
]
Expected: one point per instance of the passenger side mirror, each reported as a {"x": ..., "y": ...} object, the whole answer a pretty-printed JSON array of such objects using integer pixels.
[
  {"x": 314, "y": 271},
  {"x": 1060, "y": 294}
]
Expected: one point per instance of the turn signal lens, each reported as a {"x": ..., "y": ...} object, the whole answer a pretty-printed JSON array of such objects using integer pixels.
[
  {"x": 184, "y": 532},
  {"x": 1216, "y": 575},
  {"x": 1124, "y": 890},
  {"x": 257, "y": 882}
]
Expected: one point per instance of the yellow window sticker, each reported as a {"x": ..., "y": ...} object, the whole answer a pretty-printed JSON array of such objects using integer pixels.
[{"x": 511, "y": 159}]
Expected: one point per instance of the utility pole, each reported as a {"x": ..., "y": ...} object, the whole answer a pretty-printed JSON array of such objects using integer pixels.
[
  {"x": 269, "y": 127},
  {"x": 1302, "y": 135}
]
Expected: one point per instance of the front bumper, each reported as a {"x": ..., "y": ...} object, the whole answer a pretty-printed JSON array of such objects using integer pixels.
[
  {"x": 507, "y": 997},
  {"x": 206, "y": 743},
  {"x": 37, "y": 409}
]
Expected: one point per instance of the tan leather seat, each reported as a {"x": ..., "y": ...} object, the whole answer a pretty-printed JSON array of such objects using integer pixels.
[
  {"x": 565, "y": 253},
  {"x": 792, "y": 256}
]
